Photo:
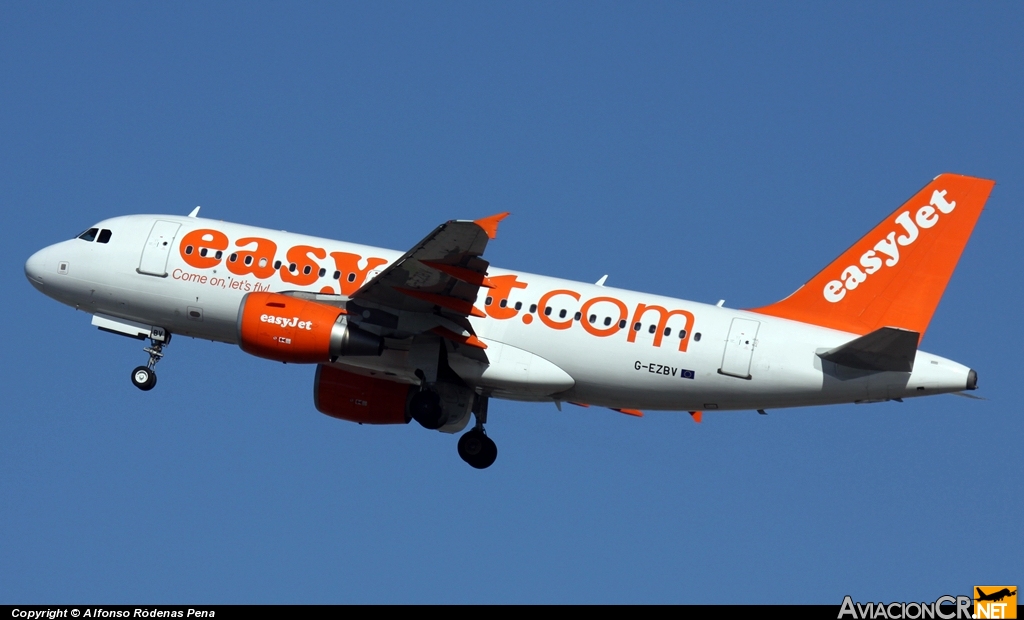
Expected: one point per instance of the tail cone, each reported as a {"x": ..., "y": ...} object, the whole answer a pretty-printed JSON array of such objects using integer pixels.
[{"x": 972, "y": 380}]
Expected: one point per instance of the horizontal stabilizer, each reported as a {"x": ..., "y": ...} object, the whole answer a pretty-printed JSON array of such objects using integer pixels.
[
  {"x": 885, "y": 349},
  {"x": 966, "y": 395}
]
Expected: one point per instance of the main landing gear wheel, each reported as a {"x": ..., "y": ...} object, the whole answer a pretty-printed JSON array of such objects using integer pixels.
[
  {"x": 143, "y": 378},
  {"x": 477, "y": 449}
]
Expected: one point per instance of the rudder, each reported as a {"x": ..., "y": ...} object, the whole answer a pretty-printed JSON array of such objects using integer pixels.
[{"x": 895, "y": 275}]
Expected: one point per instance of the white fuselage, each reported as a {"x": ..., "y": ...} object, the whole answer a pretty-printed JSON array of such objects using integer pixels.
[{"x": 725, "y": 359}]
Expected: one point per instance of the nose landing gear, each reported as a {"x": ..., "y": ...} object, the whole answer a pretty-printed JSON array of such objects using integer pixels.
[
  {"x": 144, "y": 377},
  {"x": 475, "y": 447}
]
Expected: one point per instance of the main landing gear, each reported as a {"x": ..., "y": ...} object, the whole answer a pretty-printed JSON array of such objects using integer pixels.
[
  {"x": 475, "y": 447},
  {"x": 144, "y": 377}
]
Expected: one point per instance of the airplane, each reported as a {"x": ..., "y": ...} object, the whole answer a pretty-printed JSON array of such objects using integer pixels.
[
  {"x": 994, "y": 596},
  {"x": 433, "y": 334}
]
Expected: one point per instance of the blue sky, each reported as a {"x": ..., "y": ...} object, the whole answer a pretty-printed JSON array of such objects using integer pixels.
[{"x": 693, "y": 150}]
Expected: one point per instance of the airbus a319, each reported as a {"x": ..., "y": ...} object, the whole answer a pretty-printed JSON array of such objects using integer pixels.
[{"x": 433, "y": 334}]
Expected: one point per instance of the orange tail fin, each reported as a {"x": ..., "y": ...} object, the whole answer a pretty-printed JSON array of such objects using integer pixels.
[{"x": 895, "y": 275}]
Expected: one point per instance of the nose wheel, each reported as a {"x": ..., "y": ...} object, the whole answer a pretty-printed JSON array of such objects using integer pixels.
[
  {"x": 144, "y": 377},
  {"x": 475, "y": 447}
]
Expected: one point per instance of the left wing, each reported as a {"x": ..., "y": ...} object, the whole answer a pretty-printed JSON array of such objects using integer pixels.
[{"x": 434, "y": 285}]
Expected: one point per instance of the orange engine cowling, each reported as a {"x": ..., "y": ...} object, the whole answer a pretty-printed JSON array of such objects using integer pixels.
[
  {"x": 356, "y": 398},
  {"x": 288, "y": 329}
]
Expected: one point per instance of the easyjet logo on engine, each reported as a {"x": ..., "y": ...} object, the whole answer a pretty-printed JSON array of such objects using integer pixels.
[
  {"x": 886, "y": 251},
  {"x": 285, "y": 322}
]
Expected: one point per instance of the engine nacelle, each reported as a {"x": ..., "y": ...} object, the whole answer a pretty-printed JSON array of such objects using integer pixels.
[
  {"x": 357, "y": 398},
  {"x": 288, "y": 329}
]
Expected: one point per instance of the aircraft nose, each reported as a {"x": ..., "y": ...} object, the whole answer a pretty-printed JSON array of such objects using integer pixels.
[{"x": 37, "y": 268}]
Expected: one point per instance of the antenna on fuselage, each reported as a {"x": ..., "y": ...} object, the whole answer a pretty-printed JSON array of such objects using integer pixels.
[
  {"x": 602, "y": 280},
  {"x": 195, "y": 212}
]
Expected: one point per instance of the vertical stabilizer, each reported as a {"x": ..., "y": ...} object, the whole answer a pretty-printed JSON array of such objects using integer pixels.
[{"x": 895, "y": 275}]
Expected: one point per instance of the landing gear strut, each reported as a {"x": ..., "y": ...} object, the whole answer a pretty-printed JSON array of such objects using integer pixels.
[
  {"x": 144, "y": 377},
  {"x": 475, "y": 447}
]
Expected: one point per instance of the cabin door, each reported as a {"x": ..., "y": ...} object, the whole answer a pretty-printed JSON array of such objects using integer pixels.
[
  {"x": 739, "y": 348},
  {"x": 158, "y": 248}
]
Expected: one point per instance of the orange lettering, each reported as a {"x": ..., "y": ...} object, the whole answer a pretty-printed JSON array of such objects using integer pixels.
[
  {"x": 503, "y": 286},
  {"x": 664, "y": 315},
  {"x": 608, "y": 331},
  {"x": 351, "y": 275},
  {"x": 542, "y": 307},
  {"x": 202, "y": 248},
  {"x": 258, "y": 262},
  {"x": 306, "y": 270}
]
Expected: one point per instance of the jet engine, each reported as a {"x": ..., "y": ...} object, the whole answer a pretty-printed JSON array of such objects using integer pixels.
[
  {"x": 357, "y": 398},
  {"x": 288, "y": 329}
]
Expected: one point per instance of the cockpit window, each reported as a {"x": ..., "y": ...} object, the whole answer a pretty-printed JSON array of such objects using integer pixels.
[
  {"x": 104, "y": 236},
  {"x": 89, "y": 235}
]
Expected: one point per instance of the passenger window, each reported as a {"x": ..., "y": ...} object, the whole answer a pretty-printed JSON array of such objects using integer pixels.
[
  {"x": 352, "y": 277},
  {"x": 533, "y": 307},
  {"x": 202, "y": 252},
  {"x": 218, "y": 254},
  {"x": 561, "y": 314},
  {"x": 636, "y": 327},
  {"x": 577, "y": 317},
  {"x": 607, "y": 321},
  {"x": 503, "y": 303},
  {"x": 188, "y": 249},
  {"x": 697, "y": 336},
  {"x": 307, "y": 270},
  {"x": 248, "y": 260},
  {"x": 104, "y": 236},
  {"x": 682, "y": 334},
  {"x": 337, "y": 275},
  {"x": 488, "y": 301},
  {"x": 89, "y": 235},
  {"x": 622, "y": 324},
  {"x": 593, "y": 317},
  {"x": 668, "y": 331},
  {"x": 233, "y": 258},
  {"x": 547, "y": 311},
  {"x": 291, "y": 267},
  {"x": 322, "y": 272},
  {"x": 651, "y": 329},
  {"x": 519, "y": 305},
  {"x": 277, "y": 264}
]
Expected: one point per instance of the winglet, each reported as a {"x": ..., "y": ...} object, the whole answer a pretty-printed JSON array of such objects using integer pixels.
[
  {"x": 490, "y": 224},
  {"x": 696, "y": 416}
]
